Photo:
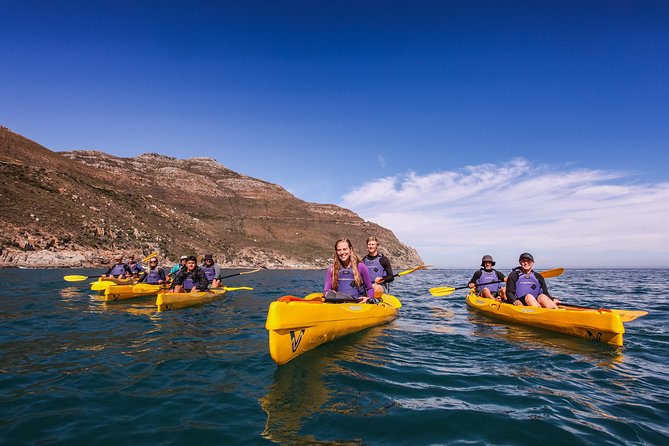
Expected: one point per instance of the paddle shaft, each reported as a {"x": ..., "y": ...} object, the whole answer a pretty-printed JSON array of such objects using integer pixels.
[
  {"x": 238, "y": 274},
  {"x": 445, "y": 291}
]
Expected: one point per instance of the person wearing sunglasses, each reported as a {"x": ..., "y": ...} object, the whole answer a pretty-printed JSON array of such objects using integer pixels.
[{"x": 154, "y": 274}]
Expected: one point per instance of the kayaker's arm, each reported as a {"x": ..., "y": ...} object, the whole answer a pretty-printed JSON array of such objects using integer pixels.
[
  {"x": 511, "y": 287},
  {"x": 201, "y": 278},
  {"x": 366, "y": 280},
  {"x": 475, "y": 277},
  {"x": 385, "y": 263},
  {"x": 328, "y": 281},
  {"x": 542, "y": 282}
]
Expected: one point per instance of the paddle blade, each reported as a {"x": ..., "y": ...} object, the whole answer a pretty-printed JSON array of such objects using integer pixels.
[
  {"x": 412, "y": 270},
  {"x": 314, "y": 296},
  {"x": 75, "y": 278},
  {"x": 552, "y": 273},
  {"x": 101, "y": 286},
  {"x": 629, "y": 315},
  {"x": 252, "y": 271},
  {"x": 147, "y": 258},
  {"x": 237, "y": 288},
  {"x": 442, "y": 291}
]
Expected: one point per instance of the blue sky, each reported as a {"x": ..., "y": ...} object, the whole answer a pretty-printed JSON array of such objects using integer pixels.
[{"x": 468, "y": 128}]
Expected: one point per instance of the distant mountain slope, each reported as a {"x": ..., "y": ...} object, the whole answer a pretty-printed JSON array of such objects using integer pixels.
[{"x": 77, "y": 208}]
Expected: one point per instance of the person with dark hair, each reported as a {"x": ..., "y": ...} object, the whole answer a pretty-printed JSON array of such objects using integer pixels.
[
  {"x": 348, "y": 275},
  {"x": 527, "y": 287},
  {"x": 191, "y": 278},
  {"x": 488, "y": 282}
]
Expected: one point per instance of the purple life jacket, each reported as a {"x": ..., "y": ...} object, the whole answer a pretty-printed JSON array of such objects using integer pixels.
[
  {"x": 374, "y": 267},
  {"x": 487, "y": 277},
  {"x": 209, "y": 271},
  {"x": 528, "y": 284},
  {"x": 347, "y": 283},
  {"x": 117, "y": 270},
  {"x": 153, "y": 276},
  {"x": 135, "y": 268},
  {"x": 188, "y": 282}
]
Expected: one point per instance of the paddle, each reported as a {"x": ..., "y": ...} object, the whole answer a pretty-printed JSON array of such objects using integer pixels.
[
  {"x": 147, "y": 258},
  {"x": 75, "y": 278},
  {"x": 447, "y": 290},
  {"x": 239, "y": 274},
  {"x": 402, "y": 273},
  {"x": 237, "y": 288}
]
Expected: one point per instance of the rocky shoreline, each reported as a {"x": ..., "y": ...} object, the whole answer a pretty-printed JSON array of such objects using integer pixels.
[{"x": 10, "y": 258}]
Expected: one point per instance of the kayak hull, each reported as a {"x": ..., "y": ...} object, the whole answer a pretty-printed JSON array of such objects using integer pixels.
[
  {"x": 598, "y": 325},
  {"x": 123, "y": 292},
  {"x": 296, "y": 325},
  {"x": 176, "y": 301}
]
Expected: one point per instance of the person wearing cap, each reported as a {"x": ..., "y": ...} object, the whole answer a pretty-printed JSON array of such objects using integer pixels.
[
  {"x": 175, "y": 269},
  {"x": 489, "y": 282},
  {"x": 155, "y": 274},
  {"x": 135, "y": 266},
  {"x": 527, "y": 287},
  {"x": 191, "y": 278},
  {"x": 212, "y": 270},
  {"x": 118, "y": 270},
  {"x": 380, "y": 271}
]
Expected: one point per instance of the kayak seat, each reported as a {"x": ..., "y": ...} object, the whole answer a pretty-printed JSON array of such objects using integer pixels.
[{"x": 332, "y": 297}]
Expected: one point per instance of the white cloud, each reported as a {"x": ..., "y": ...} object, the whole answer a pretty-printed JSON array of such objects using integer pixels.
[{"x": 573, "y": 217}]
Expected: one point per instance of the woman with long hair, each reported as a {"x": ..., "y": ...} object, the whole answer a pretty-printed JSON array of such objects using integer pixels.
[{"x": 347, "y": 274}]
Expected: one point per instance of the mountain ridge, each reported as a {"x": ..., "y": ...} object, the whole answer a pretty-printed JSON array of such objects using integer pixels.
[{"x": 78, "y": 208}]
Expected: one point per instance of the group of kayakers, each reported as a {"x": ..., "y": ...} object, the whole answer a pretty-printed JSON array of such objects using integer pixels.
[
  {"x": 185, "y": 276},
  {"x": 523, "y": 286},
  {"x": 350, "y": 277}
]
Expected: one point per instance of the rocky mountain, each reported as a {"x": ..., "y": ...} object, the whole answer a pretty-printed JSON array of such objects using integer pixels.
[{"x": 78, "y": 208}]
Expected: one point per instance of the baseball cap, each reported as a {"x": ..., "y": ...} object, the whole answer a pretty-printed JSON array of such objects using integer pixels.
[{"x": 526, "y": 255}]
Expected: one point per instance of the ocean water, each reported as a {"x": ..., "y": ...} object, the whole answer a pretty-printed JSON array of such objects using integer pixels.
[{"x": 79, "y": 372}]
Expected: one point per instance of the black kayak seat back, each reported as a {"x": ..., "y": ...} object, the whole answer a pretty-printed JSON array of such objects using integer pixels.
[{"x": 335, "y": 297}]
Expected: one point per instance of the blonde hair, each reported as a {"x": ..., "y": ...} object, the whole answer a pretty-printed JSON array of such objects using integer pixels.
[
  {"x": 372, "y": 238},
  {"x": 337, "y": 265}
]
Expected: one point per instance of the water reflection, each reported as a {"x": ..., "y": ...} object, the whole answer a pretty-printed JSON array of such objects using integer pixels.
[
  {"x": 70, "y": 293},
  {"x": 299, "y": 391},
  {"x": 525, "y": 337}
]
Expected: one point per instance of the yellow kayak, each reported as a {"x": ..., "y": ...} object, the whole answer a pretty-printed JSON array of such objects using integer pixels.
[
  {"x": 123, "y": 292},
  {"x": 175, "y": 301},
  {"x": 298, "y": 325},
  {"x": 599, "y": 325}
]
